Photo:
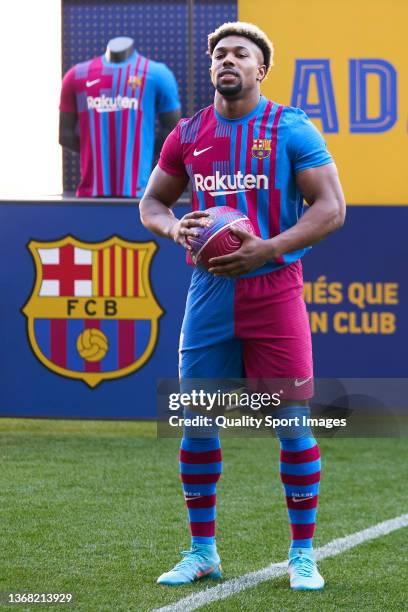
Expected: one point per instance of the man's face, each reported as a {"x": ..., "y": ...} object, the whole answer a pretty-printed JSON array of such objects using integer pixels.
[{"x": 236, "y": 66}]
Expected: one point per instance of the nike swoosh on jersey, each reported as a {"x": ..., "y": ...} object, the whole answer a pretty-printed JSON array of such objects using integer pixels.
[
  {"x": 299, "y": 383},
  {"x": 196, "y": 152},
  {"x": 90, "y": 83}
]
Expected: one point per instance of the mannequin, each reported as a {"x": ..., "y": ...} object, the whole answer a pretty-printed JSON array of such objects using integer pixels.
[
  {"x": 93, "y": 84},
  {"x": 119, "y": 49}
]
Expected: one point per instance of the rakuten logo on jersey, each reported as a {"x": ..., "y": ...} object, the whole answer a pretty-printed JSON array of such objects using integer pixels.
[
  {"x": 107, "y": 104},
  {"x": 224, "y": 184}
]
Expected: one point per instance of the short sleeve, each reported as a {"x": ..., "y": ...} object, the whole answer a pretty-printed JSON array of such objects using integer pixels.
[
  {"x": 167, "y": 91},
  {"x": 307, "y": 147},
  {"x": 171, "y": 156},
  {"x": 68, "y": 97}
]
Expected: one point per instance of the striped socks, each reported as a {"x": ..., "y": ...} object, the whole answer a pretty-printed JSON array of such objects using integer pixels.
[
  {"x": 300, "y": 475},
  {"x": 200, "y": 470}
]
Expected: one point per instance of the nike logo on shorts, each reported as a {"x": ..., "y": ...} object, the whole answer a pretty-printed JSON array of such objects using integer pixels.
[
  {"x": 299, "y": 383},
  {"x": 196, "y": 152}
]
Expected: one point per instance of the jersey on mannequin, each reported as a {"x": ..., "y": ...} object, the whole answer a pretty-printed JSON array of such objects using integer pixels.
[{"x": 107, "y": 115}]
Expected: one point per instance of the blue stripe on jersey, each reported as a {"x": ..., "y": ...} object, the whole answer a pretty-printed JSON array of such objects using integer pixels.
[
  {"x": 131, "y": 131},
  {"x": 221, "y": 167},
  {"x": 74, "y": 361},
  {"x": 104, "y": 130},
  {"x": 242, "y": 201},
  {"x": 201, "y": 200},
  {"x": 42, "y": 335},
  {"x": 92, "y": 119},
  {"x": 233, "y": 145},
  {"x": 110, "y": 361}
]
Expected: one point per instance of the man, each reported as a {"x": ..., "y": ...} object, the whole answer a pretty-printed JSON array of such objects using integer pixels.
[{"x": 247, "y": 313}]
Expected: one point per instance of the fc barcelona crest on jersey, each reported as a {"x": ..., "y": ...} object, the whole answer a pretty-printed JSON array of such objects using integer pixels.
[
  {"x": 134, "y": 81},
  {"x": 261, "y": 148},
  {"x": 92, "y": 314}
]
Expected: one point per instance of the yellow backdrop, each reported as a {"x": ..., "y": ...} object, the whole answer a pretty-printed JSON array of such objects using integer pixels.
[{"x": 373, "y": 165}]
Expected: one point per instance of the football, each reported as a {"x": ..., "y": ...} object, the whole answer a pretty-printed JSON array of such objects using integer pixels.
[{"x": 216, "y": 238}]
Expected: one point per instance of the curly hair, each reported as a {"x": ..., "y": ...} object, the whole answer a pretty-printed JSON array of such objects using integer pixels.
[{"x": 247, "y": 30}]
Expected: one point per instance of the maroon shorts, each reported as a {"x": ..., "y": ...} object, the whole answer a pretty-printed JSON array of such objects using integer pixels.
[{"x": 254, "y": 327}]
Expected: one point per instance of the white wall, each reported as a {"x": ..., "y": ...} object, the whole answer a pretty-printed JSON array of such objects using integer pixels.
[{"x": 30, "y": 80}]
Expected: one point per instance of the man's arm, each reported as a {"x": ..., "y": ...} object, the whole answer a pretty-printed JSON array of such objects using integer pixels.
[
  {"x": 322, "y": 191},
  {"x": 162, "y": 191},
  {"x": 326, "y": 213}
]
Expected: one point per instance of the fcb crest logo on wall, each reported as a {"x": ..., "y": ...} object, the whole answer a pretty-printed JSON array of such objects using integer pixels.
[
  {"x": 261, "y": 148},
  {"x": 92, "y": 314}
]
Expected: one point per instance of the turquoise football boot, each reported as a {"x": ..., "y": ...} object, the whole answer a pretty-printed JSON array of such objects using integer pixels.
[
  {"x": 202, "y": 560},
  {"x": 303, "y": 572}
]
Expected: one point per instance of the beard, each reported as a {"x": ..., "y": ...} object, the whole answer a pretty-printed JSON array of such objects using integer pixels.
[{"x": 229, "y": 91}]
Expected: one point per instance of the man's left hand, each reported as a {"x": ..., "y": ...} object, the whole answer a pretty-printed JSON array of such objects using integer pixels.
[{"x": 250, "y": 255}]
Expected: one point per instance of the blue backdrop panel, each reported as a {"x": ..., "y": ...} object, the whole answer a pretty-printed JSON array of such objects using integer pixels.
[
  {"x": 371, "y": 250},
  {"x": 208, "y": 15},
  {"x": 359, "y": 253},
  {"x": 27, "y": 386}
]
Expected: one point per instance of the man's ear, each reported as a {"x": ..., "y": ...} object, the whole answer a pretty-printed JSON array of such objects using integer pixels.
[{"x": 261, "y": 72}]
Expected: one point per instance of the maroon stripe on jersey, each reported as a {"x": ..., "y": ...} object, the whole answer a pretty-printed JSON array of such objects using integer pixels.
[
  {"x": 311, "y": 454},
  {"x": 208, "y": 457},
  {"x": 302, "y": 532},
  {"x": 99, "y": 175},
  {"x": 200, "y": 478},
  {"x": 206, "y": 529},
  {"x": 92, "y": 366},
  {"x": 59, "y": 342},
  {"x": 137, "y": 142},
  {"x": 125, "y": 120},
  {"x": 274, "y": 194},
  {"x": 260, "y": 165},
  {"x": 194, "y": 201},
  {"x": 118, "y": 83},
  {"x": 307, "y": 503},
  {"x": 304, "y": 479},
  {"x": 205, "y": 501},
  {"x": 112, "y": 152}
]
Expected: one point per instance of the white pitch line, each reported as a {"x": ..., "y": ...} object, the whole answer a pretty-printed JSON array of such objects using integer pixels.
[{"x": 247, "y": 581}]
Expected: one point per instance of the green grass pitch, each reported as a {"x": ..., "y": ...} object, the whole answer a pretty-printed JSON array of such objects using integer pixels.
[{"x": 95, "y": 509}]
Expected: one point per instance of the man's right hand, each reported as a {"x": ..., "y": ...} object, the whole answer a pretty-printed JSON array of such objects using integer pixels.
[{"x": 187, "y": 226}]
